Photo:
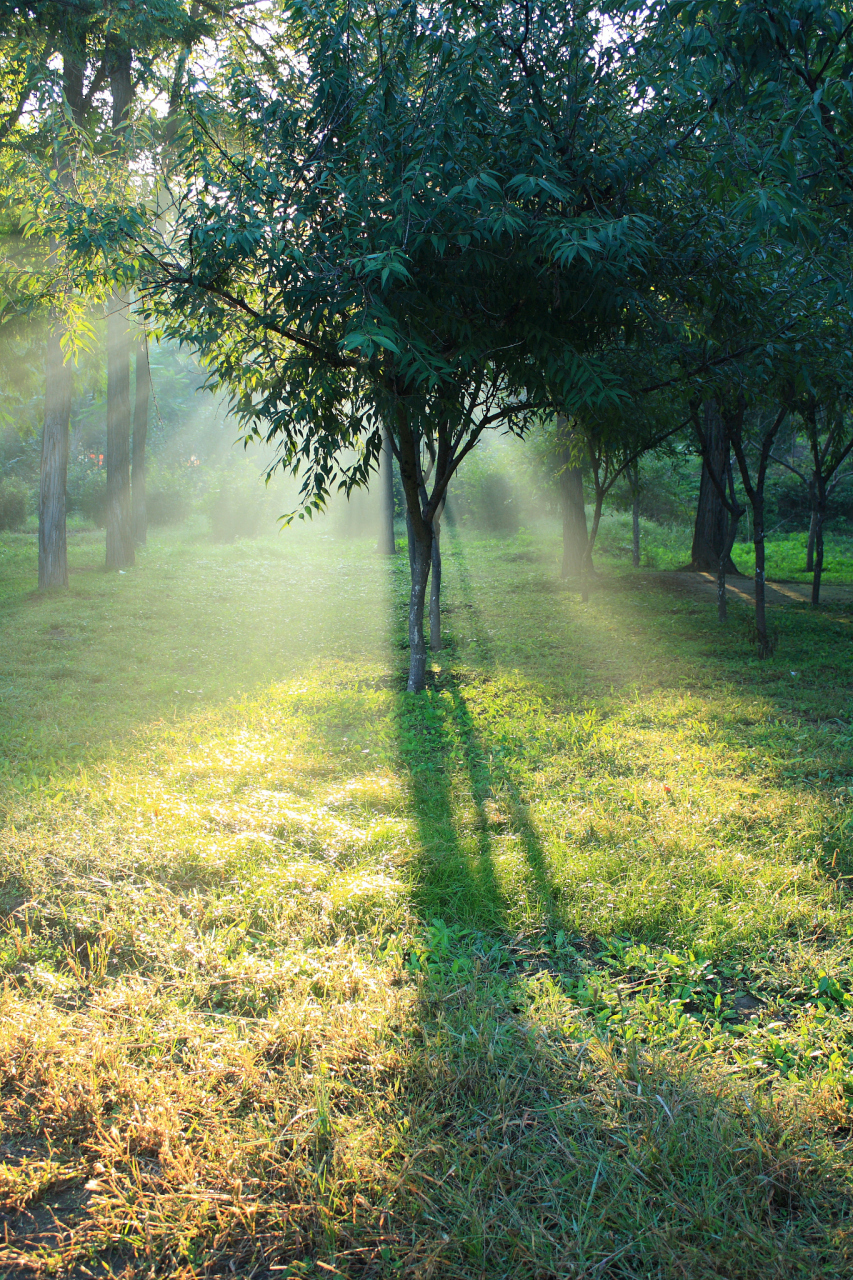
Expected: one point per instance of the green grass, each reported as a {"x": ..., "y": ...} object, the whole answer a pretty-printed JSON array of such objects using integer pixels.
[{"x": 545, "y": 972}]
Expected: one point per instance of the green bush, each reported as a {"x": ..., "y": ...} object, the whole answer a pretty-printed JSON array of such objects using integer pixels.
[
  {"x": 482, "y": 496},
  {"x": 13, "y": 504},
  {"x": 86, "y": 492}
]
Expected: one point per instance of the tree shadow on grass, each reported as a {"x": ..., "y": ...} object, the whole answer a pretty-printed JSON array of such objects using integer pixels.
[{"x": 482, "y": 865}]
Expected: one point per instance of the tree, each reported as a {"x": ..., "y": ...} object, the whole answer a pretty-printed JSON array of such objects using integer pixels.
[
  {"x": 714, "y": 430},
  {"x": 142, "y": 393},
  {"x": 711, "y": 529},
  {"x": 830, "y": 442},
  {"x": 408, "y": 232}
]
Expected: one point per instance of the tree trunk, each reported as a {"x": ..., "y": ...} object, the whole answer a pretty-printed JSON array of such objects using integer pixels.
[
  {"x": 53, "y": 472},
  {"x": 812, "y": 535},
  {"x": 387, "y": 545},
  {"x": 140, "y": 436},
  {"x": 573, "y": 511},
  {"x": 725, "y": 554},
  {"x": 760, "y": 593},
  {"x": 435, "y": 584},
  {"x": 53, "y": 552},
  {"x": 421, "y": 558},
  {"x": 120, "y": 554},
  {"x": 634, "y": 478},
  {"x": 818, "y": 555},
  {"x": 587, "y": 569},
  {"x": 709, "y": 532}
]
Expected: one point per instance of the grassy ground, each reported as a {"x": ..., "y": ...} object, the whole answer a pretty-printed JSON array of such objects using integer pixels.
[
  {"x": 544, "y": 973},
  {"x": 668, "y": 547}
]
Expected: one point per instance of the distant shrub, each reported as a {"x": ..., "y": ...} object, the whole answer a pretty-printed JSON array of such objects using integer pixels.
[
  {"x": 167, "y": 506},
  {"x": 13, "y": 504},
  {"x": 485, "y": 499},
  {"x": 86, "y": 492}
]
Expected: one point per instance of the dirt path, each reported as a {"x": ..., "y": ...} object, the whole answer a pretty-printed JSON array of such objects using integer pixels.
[{"x": 742, "y": 588}]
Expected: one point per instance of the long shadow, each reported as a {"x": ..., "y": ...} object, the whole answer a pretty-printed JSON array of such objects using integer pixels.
[{"x": 466, "y": 801}]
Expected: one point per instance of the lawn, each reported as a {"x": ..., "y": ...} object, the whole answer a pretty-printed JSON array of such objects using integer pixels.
[{"x": 543, "y": 973}]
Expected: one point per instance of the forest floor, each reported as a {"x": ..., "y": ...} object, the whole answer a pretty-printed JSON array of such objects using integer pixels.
[{"x": 543, "y": 973}]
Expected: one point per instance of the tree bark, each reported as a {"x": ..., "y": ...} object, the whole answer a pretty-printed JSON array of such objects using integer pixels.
[
  {"x": 53, "y": 470},
  {"x": 53, "y": 552},
  {"x": 435, "y": 584},
  {"x": 725, "y": 553},
  {"x": 421, "y": 558},
  {"x": 755, "y": 493},
  {"x": 711, "y": 526},
  {"x": 817, "y": 572},
  {"x": 140, "y": 437},
  {"x": 573, "y": 511},
  {"x": 760, "y": 584},
  {"x": 120, "y": 553},
  {"x": 587, "y": 569},
  {"x": 812, "y": 529},
  {"x": 419, "y": 529},
  {"x": 387, "y": 545}
]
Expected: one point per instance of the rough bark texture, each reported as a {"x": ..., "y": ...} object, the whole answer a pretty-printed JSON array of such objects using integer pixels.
[
  {"x": 120, "y": 554},
  {"x": 387, "y": 545},
  {"x": 573, "y": 511},
  {"x": 140, "y": 436},
  {"x": 53, "y": 555},
  {"x": 710, "y": 529}
]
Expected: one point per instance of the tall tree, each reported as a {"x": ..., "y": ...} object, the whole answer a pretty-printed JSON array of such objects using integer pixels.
[{"x": 142, "y": 394}]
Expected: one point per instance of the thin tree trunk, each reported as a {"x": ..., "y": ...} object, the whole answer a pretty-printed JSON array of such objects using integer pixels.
[
  {"x": 818, "y": 556},
  {"x": 435, "y": 584},
  {"x": 760, "y": 585},
  {"x": 422, "y": 554},
  {"x": 811, "y": 542},
  {"x": 726, "y": 550},
  {"x": 53, "y": 552},
  {"x": 120, "y": 554},
  {"x": 140, "y": 437},
  {"x": 387, "y": 545},
  {"x": 587, "y": 568},
  {"x": 420, "y": 537}
]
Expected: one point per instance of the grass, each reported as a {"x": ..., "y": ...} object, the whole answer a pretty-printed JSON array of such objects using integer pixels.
[
  {"x": 545, "y": 972},
  {"x": 668, "y": 547}
]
